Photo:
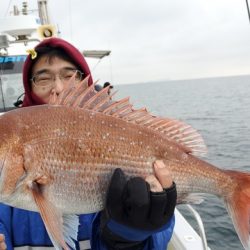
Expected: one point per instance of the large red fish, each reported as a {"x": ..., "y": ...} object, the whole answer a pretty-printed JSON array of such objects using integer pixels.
[{"x": 58, "y": 159}]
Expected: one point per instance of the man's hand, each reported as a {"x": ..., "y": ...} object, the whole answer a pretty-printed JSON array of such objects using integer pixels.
[
  {"x": 2, "y": 242},
  {"x": 162, "y": 178},
  {"x": 142, "y": 204},
  {"x": 137, "y": 208}
]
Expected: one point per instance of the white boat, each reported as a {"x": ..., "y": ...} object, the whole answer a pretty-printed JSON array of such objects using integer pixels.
[{"x": 21, "y": 31}]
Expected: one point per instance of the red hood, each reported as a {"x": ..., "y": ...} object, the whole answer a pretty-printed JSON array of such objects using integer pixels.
[{"x": 78, "y": 59}]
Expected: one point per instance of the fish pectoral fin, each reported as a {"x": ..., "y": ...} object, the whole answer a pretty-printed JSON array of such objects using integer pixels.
[
  {"x": 70, "y": 229},
  {"x": 52, "y": 217},
  {"x": 42, "y": 180},
  {"x": 192, "y": 198}
]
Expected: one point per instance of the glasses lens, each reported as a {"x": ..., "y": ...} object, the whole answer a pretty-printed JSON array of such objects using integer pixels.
[
  {"x": 79, "y": 75},
  {"x": 43, "y": 79},
  {"x": 66, "y": 74}
]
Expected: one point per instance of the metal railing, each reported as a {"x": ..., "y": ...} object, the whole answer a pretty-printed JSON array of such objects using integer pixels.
[{"x": 200, "y": 226}]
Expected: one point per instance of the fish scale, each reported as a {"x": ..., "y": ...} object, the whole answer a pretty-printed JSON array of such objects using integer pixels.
[{"x": 54, "y": 151}]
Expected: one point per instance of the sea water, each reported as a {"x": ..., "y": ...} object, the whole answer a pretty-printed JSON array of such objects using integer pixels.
[{"x": 219, "y": 108}]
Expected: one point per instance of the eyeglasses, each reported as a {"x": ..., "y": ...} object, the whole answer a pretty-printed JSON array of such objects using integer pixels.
[{"x": 46, "y": 78}]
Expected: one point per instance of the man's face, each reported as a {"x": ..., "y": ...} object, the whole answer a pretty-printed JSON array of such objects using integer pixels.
[{"x": 50, "y": 76}]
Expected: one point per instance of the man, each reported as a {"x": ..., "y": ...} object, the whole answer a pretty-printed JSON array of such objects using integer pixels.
[
  {"x": 106, "y": 84},
  {"x": 45, "y": 73}
]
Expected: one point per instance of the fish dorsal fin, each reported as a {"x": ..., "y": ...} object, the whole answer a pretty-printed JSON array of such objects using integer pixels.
[{"x": 86, "y": 97}]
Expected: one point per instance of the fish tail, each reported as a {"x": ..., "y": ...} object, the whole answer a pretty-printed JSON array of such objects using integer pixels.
[{"x": 238, "y": 205}]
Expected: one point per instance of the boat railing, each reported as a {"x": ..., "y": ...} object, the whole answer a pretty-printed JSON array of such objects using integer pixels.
[
  {"x": 200, "y": 226},
  {"x": 184, "y": 236}
]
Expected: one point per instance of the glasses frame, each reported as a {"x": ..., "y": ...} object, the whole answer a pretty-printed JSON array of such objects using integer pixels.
[{"x": 32, "y": 79}]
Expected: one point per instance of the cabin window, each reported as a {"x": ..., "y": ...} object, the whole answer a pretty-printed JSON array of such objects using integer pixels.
[{"x": 11, "y": 86}]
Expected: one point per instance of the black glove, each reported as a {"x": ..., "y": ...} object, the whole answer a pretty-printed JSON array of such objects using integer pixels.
[{"x": 131, "y": 203}]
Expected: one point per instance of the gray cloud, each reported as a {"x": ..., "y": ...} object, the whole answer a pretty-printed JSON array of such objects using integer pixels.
[{"x": 158, "y": 39}]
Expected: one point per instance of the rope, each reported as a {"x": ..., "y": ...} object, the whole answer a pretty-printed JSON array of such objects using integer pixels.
[
  {"x": 8, "y": 8},
  {"x": 70, "y": 20},
  {"x": 94, "y": 67}
]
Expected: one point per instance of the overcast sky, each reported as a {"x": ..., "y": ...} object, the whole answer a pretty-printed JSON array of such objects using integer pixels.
[{"x": 155, "y": 40}]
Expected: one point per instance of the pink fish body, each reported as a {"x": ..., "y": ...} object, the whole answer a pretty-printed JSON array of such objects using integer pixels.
[{"x": 58, "y": 159}]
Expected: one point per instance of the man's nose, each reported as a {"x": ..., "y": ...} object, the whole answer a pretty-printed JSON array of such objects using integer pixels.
[{"x": 58, "y": 85}]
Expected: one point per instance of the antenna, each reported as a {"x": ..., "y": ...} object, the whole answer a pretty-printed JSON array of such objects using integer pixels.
[
  {"x": 25, "y": 8},
  {"x": 43, "y": 11},
  {"x": 248, "y": 12}
]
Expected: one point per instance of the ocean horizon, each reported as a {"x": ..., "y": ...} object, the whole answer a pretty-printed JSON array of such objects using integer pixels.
[{"x": 167, "y": 80}]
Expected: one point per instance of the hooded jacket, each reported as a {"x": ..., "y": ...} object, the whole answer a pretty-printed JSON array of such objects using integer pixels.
[{"x": 76, "y": 56}]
